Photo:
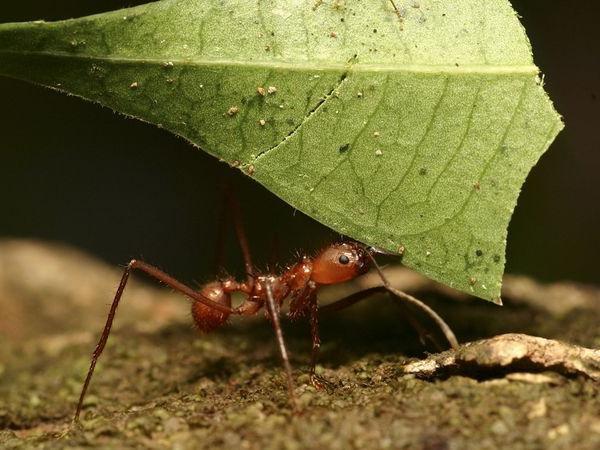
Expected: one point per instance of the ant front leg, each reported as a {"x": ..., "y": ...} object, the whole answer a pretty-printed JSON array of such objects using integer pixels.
[
  {"x": 305, "y": 303},
  {"x": 317, "y": 381},
  {"x": 402, "y": 299},
  {"x": 273, "y": 311},
  {"x": 163, "y": 278},
  {"x": 402, "y": 296}
]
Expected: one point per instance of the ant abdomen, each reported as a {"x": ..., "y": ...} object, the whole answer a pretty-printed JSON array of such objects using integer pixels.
[{"x": 207, "y": 318}]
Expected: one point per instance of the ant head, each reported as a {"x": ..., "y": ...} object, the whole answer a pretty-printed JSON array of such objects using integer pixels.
[{"x": 340, "y": 262}]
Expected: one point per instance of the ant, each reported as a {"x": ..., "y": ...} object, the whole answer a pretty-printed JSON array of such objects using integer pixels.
[{"x": 212, "y": 306}]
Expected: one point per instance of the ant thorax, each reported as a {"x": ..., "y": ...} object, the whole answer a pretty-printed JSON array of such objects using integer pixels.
[
  {"x": 293, "y": 282},
  {"x": 279, "y": 287}
]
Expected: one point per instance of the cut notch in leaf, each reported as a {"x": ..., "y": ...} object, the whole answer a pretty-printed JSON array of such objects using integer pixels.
[{"x": 411, "y": 130}]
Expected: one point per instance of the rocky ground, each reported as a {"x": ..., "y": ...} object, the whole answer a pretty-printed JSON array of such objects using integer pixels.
[{"x": 162, "y": 385}]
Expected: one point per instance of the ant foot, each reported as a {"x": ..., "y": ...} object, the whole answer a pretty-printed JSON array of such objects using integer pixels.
[{"x": 321, "y": 383}]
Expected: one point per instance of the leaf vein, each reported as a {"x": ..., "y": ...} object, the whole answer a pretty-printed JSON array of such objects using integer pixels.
[
  {"x": 441, "y": 69},
  {"x": 486, "y": 167},
  {"x": 417, "y": 150},
  {"x": 460, "y": 145}
]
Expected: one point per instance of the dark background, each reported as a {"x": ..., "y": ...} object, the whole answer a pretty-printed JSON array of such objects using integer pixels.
[{"x": 73, "y": 172}]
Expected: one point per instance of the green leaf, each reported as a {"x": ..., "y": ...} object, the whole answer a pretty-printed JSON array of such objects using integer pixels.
[{"x": 409, "y": 129}]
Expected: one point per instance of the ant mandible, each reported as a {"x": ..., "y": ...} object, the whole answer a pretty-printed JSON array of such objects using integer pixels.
[{"x": 212, "y": 305}]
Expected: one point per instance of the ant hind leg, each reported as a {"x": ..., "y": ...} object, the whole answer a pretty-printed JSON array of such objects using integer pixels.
[{"x": 163, "y": 278}]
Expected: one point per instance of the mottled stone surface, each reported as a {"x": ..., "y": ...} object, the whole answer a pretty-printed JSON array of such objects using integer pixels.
[{"x": 161, "y": 385}]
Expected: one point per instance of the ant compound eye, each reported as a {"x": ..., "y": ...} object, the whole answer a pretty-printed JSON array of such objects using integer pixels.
[{"x": 343, "y": 259}]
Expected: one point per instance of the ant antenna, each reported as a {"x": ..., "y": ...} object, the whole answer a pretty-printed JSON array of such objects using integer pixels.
[{"x": 444, "y": 327}]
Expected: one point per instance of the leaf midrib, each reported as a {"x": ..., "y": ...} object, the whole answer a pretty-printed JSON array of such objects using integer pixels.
[{"x": 472, "y": 69}]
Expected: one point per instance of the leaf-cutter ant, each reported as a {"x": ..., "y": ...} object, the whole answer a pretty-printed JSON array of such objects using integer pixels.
[{"x": 212, "y": 304}]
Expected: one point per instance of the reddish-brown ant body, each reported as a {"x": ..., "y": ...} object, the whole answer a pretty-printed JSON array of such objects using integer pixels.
[
  {"x": 335, "y": 264},
  {"x": 212, "y": 303}
]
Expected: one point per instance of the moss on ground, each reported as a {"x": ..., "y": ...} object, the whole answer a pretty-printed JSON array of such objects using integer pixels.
[{"x": 171, "y": 388}]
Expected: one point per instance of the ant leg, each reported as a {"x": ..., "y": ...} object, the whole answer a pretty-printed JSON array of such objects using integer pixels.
[
  {"x": 317, "y": 381},
  {"x": 231, "y": 205},
  {"x": 424, "y": 335},
  {"x": 220, "y": 232},
  {"x": 163, "y": 278},
  {"x": 240, "y": 232},
  {"x": 352, "y": 299},
  {"x": 403, "y": 296},
  {"x": 314, "y": 333},
  {"x": 274, "y": 313}
]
